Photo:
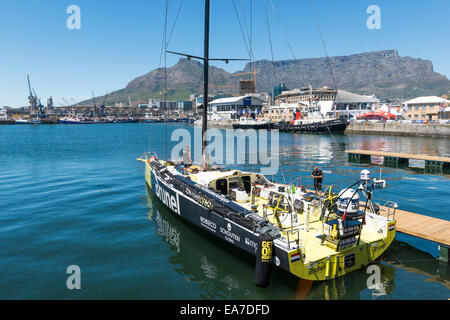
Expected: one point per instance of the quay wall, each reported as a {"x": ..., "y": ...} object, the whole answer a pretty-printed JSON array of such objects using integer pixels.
[
  {"x": 400, "y": 129},
  {"x": 215, "y": 124}
]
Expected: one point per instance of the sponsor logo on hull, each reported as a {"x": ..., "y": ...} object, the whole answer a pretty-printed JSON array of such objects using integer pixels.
[
  {"x": 208, "y": 224},
  {"x": 170, "y": 199},
  {"x": 229, "y": 236}
]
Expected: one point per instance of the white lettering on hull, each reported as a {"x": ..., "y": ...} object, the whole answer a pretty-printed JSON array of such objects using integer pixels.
[{"x": 172, "y": 202}]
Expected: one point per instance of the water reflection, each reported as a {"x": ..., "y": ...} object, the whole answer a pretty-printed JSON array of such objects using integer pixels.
[
  {"x": 222, "y": 271},
  {"x": 404, "y": 256}
]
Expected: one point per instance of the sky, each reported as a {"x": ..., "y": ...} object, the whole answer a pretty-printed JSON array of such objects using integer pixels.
[{"x": 121, "y": 40}]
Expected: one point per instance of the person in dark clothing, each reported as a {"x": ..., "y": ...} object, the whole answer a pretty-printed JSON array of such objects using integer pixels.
[{"x": 317, "y": 174}]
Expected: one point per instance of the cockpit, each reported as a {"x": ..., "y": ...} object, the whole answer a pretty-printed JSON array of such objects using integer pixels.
[{"x": 237, "y": 185}]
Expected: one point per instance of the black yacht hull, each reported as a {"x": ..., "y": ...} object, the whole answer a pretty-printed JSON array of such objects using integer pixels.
[
  {"x": 252, "y": 126},
  {"x": 225, "y": 223},
  {"x": 333, "y": 126}
]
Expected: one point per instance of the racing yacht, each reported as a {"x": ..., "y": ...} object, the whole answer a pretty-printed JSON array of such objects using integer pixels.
[{"x": 312, "y": 237}]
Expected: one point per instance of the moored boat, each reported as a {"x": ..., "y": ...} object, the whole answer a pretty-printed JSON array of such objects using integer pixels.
[
  {"x": 125, "y": 120},
  {"x": 250, "y": 123},
  {"x": 315, "y": 119},
  {"x": 76, "y": 120},
  {"x": 34, "y": 121},
  {"x": 313, "y": 237}
]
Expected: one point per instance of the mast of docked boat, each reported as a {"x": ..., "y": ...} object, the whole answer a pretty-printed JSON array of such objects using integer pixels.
[
  {"x": 205, "y": 82},
  {"x": 205, "y": 59}
]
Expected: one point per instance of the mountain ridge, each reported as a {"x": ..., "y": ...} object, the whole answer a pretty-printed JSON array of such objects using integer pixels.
[{"x": 383, "y": 73}]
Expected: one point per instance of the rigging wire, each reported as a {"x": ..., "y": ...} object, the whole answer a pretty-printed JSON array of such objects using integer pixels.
[
  {"x": 163, "y": 49},
  {"x": 242, "y": 30},
  {"x": 270, "y": 40},
  {"x": 165, "y": 70},
  {"x": 275, "y": 75},
  {"x": 286, "y": 39},
  {"x": 175, "y": 22},
  {"x": 327, "y": 59},
  {"x": 249, "y": 37},
  {"x": 332, "y": 76}
]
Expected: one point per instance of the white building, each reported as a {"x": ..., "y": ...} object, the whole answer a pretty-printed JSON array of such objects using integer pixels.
[
  {"x": 154, "y": 103},
  {"x": 3, "y": 113},
  {"x": 354, "y": 104},
  {"x": 234, "y": 108}
]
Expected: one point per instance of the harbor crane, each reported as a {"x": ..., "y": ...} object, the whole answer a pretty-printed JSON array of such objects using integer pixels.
[
  {"x": 103, "y": 105},
  {"x": 31, "y": 98},
  {"x": 254, "y": 73},
  {"x": 38, "y": 103}
]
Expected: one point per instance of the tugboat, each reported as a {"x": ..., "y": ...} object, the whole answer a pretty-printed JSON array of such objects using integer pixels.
[
  {"x": 314, "y": 121},
  {"x": 312, "y": 237}
]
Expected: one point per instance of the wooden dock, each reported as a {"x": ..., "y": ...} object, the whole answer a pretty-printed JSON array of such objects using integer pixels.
[
  {"x": 399, "y": 159},
  {"x": 425, "y": 227},
  {"x": 421, "y": 226}
]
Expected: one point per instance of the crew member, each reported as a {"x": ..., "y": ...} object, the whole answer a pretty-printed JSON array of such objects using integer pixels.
[
  {"x": 187, "y": 161},
  {"x": 317, "y": 174}
]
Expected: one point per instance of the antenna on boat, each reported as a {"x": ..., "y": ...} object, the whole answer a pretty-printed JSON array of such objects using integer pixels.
[{"x": 206, "y": 61}]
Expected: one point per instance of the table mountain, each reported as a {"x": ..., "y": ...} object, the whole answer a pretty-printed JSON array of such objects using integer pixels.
[{"x": 383, "y": 73}]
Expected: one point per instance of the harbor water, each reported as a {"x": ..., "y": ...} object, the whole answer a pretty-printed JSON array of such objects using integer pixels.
[{"x": 75, "y": 195}]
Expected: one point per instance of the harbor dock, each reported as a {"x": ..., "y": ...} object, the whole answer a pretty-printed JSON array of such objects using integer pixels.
[
  {"x": 400, "y": 129},
  {"x": 398, "y": 159},
  {"x": 424, "y": 227}
]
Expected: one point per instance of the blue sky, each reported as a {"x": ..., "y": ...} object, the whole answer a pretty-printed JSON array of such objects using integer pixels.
[{"x": 120, "y": 40}]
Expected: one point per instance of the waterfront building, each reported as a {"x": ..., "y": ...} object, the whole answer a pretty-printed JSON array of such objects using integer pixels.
[
  {"x": 348, "y": 103},
  {"x": 337, "y": 101},
  {"x": 233, "y": 108},
  {"x": 184, "y": 106},
  {"x": 284, "y": 112},
  {"x": 154, "y": 103},
  {"x": 305, "y": 94},
  {"x": 197, "y": 102},
  {"x": 168, "y": 105},
  {"x": 279, "y": 90},
  {"x": 427, "y": 108},
  {"x": 3, "y": 113}
]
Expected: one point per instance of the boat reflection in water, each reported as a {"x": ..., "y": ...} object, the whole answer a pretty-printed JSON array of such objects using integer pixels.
[
  {"x": 226, "y": 273},
  {"x": 222, "y": 271}
]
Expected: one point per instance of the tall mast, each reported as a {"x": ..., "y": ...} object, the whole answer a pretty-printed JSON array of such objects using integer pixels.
[
  {"x": 205, "y": 77},
  {"x": 205, "y": 60}
]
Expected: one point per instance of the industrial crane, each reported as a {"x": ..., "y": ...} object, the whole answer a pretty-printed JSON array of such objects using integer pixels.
[
  {"x": 38, "y": 103},
  {"x": 103, "y": 105},
  {"x": 31, "y": 98},
  {"x": 254, "y": 72},
  {"x": 247, "y": 86}
]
